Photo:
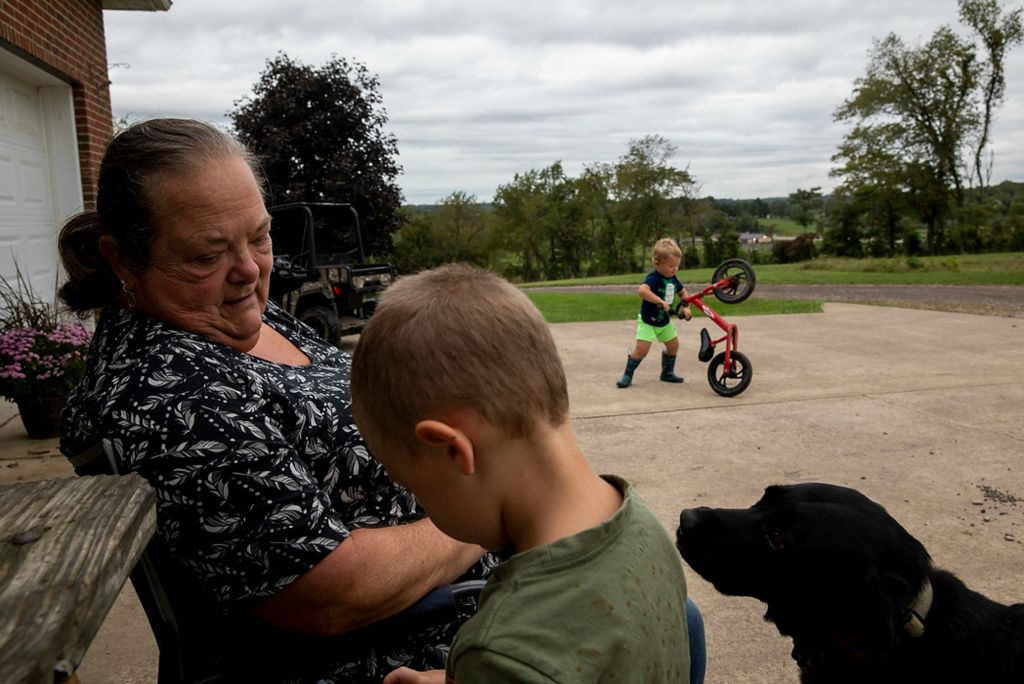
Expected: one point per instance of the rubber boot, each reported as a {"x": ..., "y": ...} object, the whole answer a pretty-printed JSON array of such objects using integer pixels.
[
  {"x": 627, "y": 376},
  {"x": 668, "y": 366}
]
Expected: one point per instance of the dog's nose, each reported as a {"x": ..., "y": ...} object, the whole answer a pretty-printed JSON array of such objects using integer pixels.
[{"x": 689, "y": 516}]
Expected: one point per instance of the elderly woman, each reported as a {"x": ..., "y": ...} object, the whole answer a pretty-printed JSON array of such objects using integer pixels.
[{"x": 237, "y": 414}]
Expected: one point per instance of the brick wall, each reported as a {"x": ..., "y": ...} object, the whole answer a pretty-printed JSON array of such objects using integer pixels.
[{"x": 67, "y": 36}]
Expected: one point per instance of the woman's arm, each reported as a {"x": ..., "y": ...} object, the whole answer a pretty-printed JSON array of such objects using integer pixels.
[
  {"x": 373, "y": 574},
  {"x": 405, "y": 675}
]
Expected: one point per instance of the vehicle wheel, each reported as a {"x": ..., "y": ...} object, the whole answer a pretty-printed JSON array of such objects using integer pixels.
[
  {"x": 730, "y": 384},
  {"x": 323, "y": 321},
  {"x": 743, "y": 281}
]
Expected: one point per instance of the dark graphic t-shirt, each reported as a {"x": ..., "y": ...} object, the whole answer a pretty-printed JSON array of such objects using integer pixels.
[{"x": 667, "y": 289}]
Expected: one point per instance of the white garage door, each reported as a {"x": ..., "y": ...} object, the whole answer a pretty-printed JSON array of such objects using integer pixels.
[{"x": 28, "y": 221}]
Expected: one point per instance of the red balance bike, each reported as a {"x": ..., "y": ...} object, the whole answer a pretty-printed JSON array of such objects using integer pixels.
[{"x": 730, "y": 372}]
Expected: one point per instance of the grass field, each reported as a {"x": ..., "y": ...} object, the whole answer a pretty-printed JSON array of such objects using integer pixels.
[
  {"x": 970, "y": 269},
  {"x": 785, "y": 226},
  {"x": 967, "y": 269},
  {"x": 576, "y": 307}
]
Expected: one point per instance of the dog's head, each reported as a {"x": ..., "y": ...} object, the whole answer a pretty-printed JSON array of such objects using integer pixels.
[{"x": 837, "y": 572}]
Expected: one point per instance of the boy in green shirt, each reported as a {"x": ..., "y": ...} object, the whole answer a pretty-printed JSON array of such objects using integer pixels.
[{"x": 458, "y": 389}]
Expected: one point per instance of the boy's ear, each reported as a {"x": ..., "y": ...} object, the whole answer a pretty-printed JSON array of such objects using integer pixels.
[{"x": 456, "y": 444}]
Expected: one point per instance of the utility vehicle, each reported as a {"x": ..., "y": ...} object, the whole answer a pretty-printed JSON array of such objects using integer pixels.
[{"x": 320, "y": 274}]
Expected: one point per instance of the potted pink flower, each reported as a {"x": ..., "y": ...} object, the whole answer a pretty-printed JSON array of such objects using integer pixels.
[{"x": 42, "y": 356}]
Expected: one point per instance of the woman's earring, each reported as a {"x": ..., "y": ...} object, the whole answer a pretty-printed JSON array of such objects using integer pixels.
[{"x": 132, "y": 301}]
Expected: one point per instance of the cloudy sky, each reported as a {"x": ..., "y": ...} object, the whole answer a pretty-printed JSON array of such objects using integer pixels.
[{"x": 479, "y": 91}]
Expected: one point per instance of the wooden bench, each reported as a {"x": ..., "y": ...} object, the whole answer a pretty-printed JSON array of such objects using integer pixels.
[{"x": 66, "y": 548}]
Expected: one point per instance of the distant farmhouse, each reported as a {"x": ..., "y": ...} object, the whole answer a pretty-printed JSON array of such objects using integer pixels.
[{"x": 755, "y": 238}]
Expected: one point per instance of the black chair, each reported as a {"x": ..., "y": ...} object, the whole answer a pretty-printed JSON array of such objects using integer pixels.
[
  {"x": 200, "y": 644},
  {"x": 187, "y": 623}
]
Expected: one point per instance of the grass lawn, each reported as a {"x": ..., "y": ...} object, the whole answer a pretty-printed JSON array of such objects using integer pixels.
[
  {"x": 785, "y": 226},
  {"x": 968, "y": 269},
  {"x": 574, "y": 307}
]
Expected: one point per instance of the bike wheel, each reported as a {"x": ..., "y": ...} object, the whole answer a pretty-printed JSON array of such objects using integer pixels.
[
  {"x": 742, "y": 282},
  {"x": 729, "y": 384}
]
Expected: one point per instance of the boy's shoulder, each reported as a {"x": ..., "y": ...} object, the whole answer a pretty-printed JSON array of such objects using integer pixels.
[
  {"x": 633, "y": 530},
  {"x": 537, "y": 600}
]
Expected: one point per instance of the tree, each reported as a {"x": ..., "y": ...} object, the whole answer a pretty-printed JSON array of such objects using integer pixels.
[
  {"x": 913, "y": 112},
  {"x": 590, "y": 213},
  {"x": 808, "y": 203},
  {"x": 414, "y": 247},
  {"x": 800, "y": 248},
  {"x": 922, "y": 115},
  {"x": 522, "y": 210},
  {"x": 320, "y": 134},
  {"x": 843, "y": 235},
  {"x": 882, "y": 212},
  {"x": 878, "y": 184},
  {"x": 552, "y": 225},
  {"x": 543, "y": 218},
  {"x": 458, "y": 231},
  {"x": 701, "y": 219},
  {"x": 724, "y": 245},
  {"x": 644, "y": 185},
  {"x": 998, "y": 34},
  {"x": 460, "y": 228}
]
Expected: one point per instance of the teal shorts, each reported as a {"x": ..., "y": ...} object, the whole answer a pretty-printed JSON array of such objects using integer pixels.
[{"x": 649, "y": 333}]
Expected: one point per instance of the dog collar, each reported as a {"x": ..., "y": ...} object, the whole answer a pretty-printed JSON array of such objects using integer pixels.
[{"x": 913, "y": 617}]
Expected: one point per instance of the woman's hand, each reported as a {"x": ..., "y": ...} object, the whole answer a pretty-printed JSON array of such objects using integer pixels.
[{"x": 404, "y": 675}]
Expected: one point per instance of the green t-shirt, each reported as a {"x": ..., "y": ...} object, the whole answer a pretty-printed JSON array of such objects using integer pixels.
[{"x": 604, "y": 605}]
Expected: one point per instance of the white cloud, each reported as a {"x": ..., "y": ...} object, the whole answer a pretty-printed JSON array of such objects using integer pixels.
[{"x": 477, "y": 92}]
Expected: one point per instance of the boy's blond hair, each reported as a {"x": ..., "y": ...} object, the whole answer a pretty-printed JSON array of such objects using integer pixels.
[
  {"x": 450, "y": 338},
  {"x": 666, "y": 248}
]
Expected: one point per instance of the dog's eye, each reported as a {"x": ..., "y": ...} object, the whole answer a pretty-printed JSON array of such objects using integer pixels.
[{"x": 774, "y": 538}]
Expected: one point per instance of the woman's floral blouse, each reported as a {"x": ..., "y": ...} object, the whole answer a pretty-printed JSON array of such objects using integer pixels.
[{"x": 258, "y": 467}]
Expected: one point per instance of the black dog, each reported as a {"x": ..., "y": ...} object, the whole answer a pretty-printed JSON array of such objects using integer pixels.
[{"x": 857, "y": 594}]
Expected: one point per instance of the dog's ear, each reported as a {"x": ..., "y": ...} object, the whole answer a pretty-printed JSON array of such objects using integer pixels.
[{"x": 772, "y": 493}]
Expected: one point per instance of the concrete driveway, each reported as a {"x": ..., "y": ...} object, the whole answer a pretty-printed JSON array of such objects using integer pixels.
[{"x": 922, "y": 411}]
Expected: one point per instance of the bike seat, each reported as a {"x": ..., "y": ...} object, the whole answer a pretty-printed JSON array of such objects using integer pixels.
[{"x": 707, "y": 349}]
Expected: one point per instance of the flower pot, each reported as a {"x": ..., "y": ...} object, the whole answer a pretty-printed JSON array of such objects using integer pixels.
[{"x": 41, "y": 415}]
